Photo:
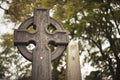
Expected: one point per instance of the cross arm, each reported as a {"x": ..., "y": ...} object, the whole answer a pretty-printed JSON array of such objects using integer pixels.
[
  {"x": 60, "y": 38},
  {"x": 22, "y": 36}
]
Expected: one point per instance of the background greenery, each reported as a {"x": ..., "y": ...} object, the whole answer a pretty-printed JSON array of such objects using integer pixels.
[{"x": 96, "y": 23}]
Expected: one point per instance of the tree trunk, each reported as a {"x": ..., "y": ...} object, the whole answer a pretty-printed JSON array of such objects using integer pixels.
[{"x": 118, "y": 71}]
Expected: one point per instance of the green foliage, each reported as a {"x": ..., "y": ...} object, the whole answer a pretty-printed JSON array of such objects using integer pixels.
[
  {"x": 11, "y": 64},
  {"x": 94, "y": 75},
  {"x": 95, "y": 22}
]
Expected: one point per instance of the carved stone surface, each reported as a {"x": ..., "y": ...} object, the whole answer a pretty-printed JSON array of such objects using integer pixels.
[{"x": 41, "y": 56}]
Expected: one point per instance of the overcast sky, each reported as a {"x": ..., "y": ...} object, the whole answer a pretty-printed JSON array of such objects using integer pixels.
[{"x": 4, "y": 26}]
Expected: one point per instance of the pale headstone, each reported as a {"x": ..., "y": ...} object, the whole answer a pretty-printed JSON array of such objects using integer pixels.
[{"x": 73, "y": 63}]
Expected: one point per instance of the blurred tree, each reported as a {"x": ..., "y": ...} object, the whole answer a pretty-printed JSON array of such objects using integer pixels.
[
  {"x": 102, "y": 32},
  {"x": 10, "y": 61},
  {"x": 95, "y": 22},
  {"x": 94, "y": 75}
]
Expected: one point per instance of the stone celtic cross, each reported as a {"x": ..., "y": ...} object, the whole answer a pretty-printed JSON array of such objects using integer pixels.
[{"x": 41, "y": 56}]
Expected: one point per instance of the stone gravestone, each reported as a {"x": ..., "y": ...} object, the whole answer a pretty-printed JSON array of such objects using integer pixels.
[
  {"x": 41, "y": 56},
  {"x": 73, "y": 61}
]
